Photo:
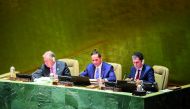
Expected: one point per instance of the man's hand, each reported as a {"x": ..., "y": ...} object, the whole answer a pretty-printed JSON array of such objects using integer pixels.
[
  {"x": 138, "y": 82},
  {"x": 128, "y": 79},
  {"x": 100, "y": 80}
]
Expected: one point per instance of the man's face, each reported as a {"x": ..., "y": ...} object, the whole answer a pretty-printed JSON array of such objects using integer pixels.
[
  {"x": 48, "y": 62},
  {"x": 137, "y": 63},
  {"x": 96, "y": 60}
]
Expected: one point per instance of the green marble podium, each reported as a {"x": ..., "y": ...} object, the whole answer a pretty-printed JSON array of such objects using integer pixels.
[{"x": 28, "y": 95}]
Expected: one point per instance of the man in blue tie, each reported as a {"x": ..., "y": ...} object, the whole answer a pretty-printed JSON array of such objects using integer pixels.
[
  {"x": 99, "y": 70},
  {"x": 140, "y": 72}
]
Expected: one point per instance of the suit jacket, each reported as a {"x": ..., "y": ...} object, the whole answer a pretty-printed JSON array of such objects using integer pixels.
[
  {"x": 107, "y": 72},
  {"x": 147, "y": 74},
  {"x": 61, "y": 70}
]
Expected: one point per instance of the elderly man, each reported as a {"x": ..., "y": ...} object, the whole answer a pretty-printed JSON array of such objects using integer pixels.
[
  {"x": 51, "y": 66},
  {"x": 99, "y": 70},
  {"x": 140, "y": 72}
]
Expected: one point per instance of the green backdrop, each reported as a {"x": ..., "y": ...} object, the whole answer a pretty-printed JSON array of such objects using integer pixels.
[{"x": 73, "y": 28}]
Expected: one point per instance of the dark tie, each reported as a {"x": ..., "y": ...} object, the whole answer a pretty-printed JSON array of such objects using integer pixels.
[
  {"x": 138, "y": 75},
  {"x": 97, "y": 73}
]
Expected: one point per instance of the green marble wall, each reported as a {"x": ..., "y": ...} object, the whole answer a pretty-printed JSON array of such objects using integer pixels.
[
  {"x": 72, "y": 28},
  {"x": 29, "y": 96}
]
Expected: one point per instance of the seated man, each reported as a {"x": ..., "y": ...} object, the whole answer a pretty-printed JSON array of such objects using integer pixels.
[
  {"x": 51, "y": 66},
  {"x": 140, "y": 72},
  {"x": 99, "y": 70}
]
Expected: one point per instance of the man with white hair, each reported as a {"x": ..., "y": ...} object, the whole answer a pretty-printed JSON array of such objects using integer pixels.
[{"x": 51, "y": 66}]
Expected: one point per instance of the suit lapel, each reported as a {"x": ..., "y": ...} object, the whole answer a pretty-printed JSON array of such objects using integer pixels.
[
  {"x": 47, "y": 70},
  {"x": 142, "y": 72},
  {"x": 93, "y": 72},
  {"x": 103, "y": 70},
  {"x": 57, "y": 68}
]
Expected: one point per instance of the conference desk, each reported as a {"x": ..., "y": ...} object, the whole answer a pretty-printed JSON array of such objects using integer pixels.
[{"x": 29, "y": 95}]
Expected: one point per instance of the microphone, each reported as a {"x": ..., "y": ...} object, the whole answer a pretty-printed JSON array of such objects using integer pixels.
[{"x": 125, "y": 75}]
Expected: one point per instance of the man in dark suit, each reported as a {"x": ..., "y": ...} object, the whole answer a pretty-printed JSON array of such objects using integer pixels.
[
  {"x": 140, "y": 72},
  {"x": 99, "y": 70},
  {"x": 51, "y": 66}
]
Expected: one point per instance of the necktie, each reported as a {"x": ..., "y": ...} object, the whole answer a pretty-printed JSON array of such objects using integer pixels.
[
  {"x": 97, "y": 73},
  {"x": 138, "y": 75},
  {"x": 51, "y": 69}
]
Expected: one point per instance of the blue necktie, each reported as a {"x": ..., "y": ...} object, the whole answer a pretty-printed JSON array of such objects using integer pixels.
[{"x": 97, "y": 73}]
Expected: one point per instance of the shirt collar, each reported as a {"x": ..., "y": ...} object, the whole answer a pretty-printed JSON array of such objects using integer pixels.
[
  {"x": 140, "y": 68},
  {"x": 100, "y": 66}
]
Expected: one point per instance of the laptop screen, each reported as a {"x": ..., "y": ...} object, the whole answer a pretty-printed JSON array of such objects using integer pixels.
[
  {"x": 28, "y": 76},
  {"x": 126, "y": 86},
  {"x": 24, "y": 77},
  {"x": 64, "y": 78},
  {"x": 80, "y": 81}
]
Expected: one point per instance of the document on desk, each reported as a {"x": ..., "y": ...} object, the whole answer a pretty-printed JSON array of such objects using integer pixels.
[
  {"x": 43, "y": 80},
  {"x": 93, "y": 81}
]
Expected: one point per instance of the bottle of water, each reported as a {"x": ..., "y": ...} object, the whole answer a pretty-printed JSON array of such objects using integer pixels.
[
  {"x": 140, "y": 87},
  {"x": 55, "y": 80},
  {"x": 51, "y": 77},
  {"x": 100, "y": 83},
  {"x": 12, "y": 71}
]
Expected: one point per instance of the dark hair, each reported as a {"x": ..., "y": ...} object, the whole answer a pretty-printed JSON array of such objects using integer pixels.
[
  {"x": 94, "y": 52},
  {"x": 139, "y": 55}
]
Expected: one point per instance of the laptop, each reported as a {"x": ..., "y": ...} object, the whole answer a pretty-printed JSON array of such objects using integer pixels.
[
  {"x": 126, "y": 86},
  {"x": 24, "y": 77},
  {"x": 153, "y": 87},
  {"x": 64, "y": 78},
  {"x": 110, "y": 84},
  {"x": 80, "y": 81}
]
